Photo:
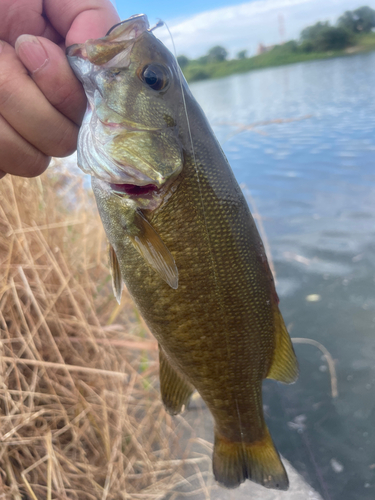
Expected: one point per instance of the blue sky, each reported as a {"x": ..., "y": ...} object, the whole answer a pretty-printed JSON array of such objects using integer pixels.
[
  {"x": 198, "y": 25},
  {"x": 167, "y": 9}
]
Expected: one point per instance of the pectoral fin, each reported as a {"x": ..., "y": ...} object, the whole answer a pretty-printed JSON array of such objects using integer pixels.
[
  {"x": 284, "y": 365},
  {"x": 114, "y": 267},
  {"x": 153, "y": 250},
  {"x": 175, "y": 390}
]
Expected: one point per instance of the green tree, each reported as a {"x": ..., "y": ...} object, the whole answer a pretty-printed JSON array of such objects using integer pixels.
[
  {"x": 332, "y": 38},
  {"x": 306, "y": 46},
  {"x": 202, "y": 60},
  {"x": 291, "y": 46},
  {"x": 217, "y": 53},
  {"x": 347, "y": 21},
  {"x": 312, "y": 33},
  {"x": 183, "y": 61},
  {"x": 365, "y": 19},
  {"x": 322, "y": 37},
  {"x": 195, "y": 73},
  {"x": 242, "y": 54},
  {"x": 360, "y": 20}
]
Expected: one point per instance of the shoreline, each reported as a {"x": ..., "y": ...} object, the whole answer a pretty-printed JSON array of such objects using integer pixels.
[{"x": 278, "y": 56}]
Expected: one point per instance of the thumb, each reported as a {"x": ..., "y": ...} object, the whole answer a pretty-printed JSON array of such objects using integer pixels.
[{"x": 50, "y": 70}]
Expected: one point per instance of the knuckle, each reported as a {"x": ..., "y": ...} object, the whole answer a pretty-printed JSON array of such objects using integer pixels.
[
  {"x": 69, "y": 99},
  {"x": 64, "y": 96},
  {"x": 33, "y": 166},
  {"x": 11, "y": 71},
  {"x": 65, "y": 142},
  {"x": 7, "y": 84}
]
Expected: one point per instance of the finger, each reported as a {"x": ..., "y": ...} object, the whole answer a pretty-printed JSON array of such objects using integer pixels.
[
  {"x": 18, "y": 157},
  {"x": 79, "y": 20},
  {"x": 50, "y": 70},
  {"x": 25, "y": 16},
  {"x": 25, "y": 108}
]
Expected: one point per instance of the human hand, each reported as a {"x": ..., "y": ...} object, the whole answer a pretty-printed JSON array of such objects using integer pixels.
[{"x": 41, "y": 101}]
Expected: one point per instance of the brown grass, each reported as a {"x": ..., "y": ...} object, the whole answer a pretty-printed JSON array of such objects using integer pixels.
[{"x": 80, "y": 412}]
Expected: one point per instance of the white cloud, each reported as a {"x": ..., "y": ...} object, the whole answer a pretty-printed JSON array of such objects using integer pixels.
[{"x": 245, "y": 25}]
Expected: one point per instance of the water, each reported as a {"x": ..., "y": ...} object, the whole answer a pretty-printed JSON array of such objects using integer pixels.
[{"x": 313, "y": 182}]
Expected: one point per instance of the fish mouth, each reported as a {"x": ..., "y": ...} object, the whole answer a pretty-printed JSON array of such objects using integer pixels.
[
  {"x": 135, "y": 190},
  {"x": 147, "y": 197},
  {"x": 113, "y": 49}
]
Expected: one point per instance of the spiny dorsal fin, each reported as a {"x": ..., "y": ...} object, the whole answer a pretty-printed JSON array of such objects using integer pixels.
[
  {"x": 153, "y": 250},
  {"x": 116, "y": 274},
  {"x": 175, "y": 390},
  {"x": 284, "y": 364}
]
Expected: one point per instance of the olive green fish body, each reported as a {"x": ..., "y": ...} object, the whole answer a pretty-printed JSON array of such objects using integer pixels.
[{"x": 197, "y": 270}]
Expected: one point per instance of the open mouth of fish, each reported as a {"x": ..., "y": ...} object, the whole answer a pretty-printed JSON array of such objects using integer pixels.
[{"x": 133, "y": 190}]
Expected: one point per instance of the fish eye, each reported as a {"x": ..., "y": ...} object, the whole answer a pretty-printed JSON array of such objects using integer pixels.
[{"x": 155, "y": 76}]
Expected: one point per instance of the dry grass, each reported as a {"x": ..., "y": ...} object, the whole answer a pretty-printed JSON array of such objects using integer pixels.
[{"x": 80, "y": 412}]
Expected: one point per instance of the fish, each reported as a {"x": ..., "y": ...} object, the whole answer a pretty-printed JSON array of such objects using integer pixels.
[{"x": 183, "y": 241}]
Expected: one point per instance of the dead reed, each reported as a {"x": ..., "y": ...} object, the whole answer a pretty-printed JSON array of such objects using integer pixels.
[{"x": 80, "y": 413}]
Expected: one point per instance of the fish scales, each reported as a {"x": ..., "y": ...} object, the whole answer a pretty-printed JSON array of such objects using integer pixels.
[{"x": 196, "y": 267}]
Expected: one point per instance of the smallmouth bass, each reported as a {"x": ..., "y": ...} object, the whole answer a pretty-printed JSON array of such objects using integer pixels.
[{"x": 183, "y": 241}]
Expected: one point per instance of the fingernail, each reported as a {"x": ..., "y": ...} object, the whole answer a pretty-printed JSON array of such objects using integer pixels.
[
  {"x": 31, "y": 52},
  {"x": 1, "y": 46}
]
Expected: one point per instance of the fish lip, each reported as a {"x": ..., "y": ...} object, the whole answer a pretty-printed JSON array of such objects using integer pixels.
[
  {"x": 128, "y": 127},
  {"x": 133, "y": 177},
  {"x": 79, "y": 49},
  {"x": 76, "y": 50}
]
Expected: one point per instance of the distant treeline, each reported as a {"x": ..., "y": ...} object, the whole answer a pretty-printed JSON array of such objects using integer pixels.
[{"x": 320, "y": 38}]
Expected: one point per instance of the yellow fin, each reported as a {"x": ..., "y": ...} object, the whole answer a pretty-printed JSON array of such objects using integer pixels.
[
  {"x": 153, "y": 250},
  {"x": 284, "y": 367},
  {"x": 233, "y": 462},
  {"x": 114, "y": 267},
  {"x": 175, "y": 390}
]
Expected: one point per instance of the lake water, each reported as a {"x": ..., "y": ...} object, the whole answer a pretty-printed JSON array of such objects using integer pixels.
[{"x": 313, "y": 182}]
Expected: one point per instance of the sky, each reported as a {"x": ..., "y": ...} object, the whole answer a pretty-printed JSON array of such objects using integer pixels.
[{"x": 198, "y": 25}]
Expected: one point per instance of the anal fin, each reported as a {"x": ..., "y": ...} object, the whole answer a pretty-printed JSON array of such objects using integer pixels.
[
  {"x": 233, "y": 462},
  {"x": 175, "y": 389},
  {"x": 284, "y": 367},
  {"x": 153, "y": 250}
]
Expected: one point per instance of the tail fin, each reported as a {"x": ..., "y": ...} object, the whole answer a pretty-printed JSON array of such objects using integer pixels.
[{"x": 233, "y": 462}]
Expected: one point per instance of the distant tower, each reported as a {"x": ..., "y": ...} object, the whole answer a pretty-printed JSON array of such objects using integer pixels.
[{"x": 281, "y": 28}]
